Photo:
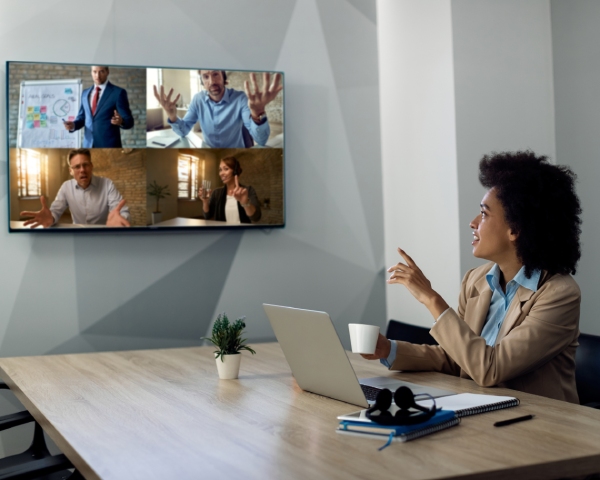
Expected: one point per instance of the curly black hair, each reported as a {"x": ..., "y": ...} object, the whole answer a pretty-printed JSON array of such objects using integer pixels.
[{"x": 540, "y": 205}]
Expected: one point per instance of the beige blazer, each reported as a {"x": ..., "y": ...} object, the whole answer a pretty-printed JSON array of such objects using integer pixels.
[{"x": 535, "y": 348}]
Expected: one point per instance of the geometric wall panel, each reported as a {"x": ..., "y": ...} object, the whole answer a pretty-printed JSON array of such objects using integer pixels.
[
  {"x": 178, "y": 305},
  {"x": 75, "y": 293}
]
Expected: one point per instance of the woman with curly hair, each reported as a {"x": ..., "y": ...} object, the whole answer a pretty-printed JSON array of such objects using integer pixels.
[{"x": 517, "y": 321}]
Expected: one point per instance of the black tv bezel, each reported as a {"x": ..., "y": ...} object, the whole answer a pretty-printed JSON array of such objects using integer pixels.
[{"x": 148, "y": 228}]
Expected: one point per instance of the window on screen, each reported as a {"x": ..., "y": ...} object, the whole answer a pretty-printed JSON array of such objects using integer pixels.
[
  {"x": 187, "y": 173},
  {"x": 30, "y": 170}
]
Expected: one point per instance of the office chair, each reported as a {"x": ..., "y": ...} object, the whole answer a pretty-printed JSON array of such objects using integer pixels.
[
  {"x": 397, "y": 330},
  {"x": 587, "y": 370},
  {"x": 248, "y": 140},
  {"x": 35, "y": 463}
]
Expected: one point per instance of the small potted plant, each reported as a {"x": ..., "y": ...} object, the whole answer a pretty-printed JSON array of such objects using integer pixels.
[
  {"x": 227, "y": 337},
  {"x": 158, "y": 191}
]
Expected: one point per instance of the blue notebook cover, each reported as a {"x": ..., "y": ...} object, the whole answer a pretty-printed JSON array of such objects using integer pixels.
[
  {"x": 440, "y": 417},
  {"x": 403, "y": 433}
]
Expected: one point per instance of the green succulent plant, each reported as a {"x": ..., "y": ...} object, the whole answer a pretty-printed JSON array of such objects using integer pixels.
[{"x": 227, "y": 336}]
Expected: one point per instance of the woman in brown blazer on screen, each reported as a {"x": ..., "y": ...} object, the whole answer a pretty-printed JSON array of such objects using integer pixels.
[{"x": 517, "y": 321}]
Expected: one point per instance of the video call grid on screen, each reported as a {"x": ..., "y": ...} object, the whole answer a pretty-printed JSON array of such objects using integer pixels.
[{"x": 160, "y": 159}]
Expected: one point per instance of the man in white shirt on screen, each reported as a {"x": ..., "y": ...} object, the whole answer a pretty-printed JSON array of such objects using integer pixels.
[{"x": 92, "y": 200}]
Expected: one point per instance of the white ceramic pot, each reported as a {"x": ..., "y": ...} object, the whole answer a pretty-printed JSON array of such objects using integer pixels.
[{"x": 229, "y": 368}]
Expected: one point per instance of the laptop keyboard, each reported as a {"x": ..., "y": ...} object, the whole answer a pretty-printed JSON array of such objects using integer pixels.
[{"x": 370, "y": 392}]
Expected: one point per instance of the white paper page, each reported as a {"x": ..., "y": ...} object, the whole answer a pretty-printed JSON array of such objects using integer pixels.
[{"x": 464, "y": 401}]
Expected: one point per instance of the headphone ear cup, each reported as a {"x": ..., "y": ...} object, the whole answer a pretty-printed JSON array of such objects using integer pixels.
[
  {"x": 383, "y": 401},
  {"x": 404, "y": 398}
]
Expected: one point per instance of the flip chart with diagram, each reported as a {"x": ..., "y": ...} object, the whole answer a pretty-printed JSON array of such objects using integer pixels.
[{"x": 44, "y": 106}]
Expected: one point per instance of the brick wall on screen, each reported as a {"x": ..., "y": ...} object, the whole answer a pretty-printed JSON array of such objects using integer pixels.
[
  {"x": 131, "y": 79},
  {"x": 263, "y": 169},
  {"x": 128, "y": 173}
]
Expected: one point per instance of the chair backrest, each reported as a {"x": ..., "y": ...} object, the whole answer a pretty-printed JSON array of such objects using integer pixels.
[
  {"x": 248, "y": 140},
  {"x": 587, "y": 369},
  {"x": 397, "y": 330}
]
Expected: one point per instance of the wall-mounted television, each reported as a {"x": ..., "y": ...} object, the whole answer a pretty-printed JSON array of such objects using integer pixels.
[{"x": 106, "y": 147}]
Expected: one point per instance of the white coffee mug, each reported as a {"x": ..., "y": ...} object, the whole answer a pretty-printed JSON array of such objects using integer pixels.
[{"x": 363, "y": 338}]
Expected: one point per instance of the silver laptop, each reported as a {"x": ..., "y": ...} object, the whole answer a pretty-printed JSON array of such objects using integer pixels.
[{"x": 319, "y": 362}]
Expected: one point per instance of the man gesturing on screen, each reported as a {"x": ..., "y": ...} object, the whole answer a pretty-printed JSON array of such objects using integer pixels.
[
  {"x": 223, "y": 111},
  {"x": 104, "y": 112},
  {"x": 91, "y": 199}
]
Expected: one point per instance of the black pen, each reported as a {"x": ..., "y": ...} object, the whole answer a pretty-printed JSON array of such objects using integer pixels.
[
  {"x": 513, "y": 420},
  {"x": 158, "y": 143}
]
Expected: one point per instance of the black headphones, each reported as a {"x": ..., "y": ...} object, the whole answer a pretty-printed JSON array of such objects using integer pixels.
[{"x": 405, "y": 400}]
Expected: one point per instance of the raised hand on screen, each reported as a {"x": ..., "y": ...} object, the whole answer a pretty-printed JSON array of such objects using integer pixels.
[
  {"x": 41, "y": 218},
  {"x": 116, "y": 119},
  {"x": 258, "y": 97},
  {"x": 168, "y": 105},
  {"x": 114, "y": 217},
  {"x": 240, "y": 193}
]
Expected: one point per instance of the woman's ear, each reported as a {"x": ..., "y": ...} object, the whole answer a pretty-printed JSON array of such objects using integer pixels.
[{"x": 512, "y": 235}]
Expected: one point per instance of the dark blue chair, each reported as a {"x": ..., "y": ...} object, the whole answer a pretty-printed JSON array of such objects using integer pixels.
[
  {"x": 587, "y": 370},
  {"x": 397, "y": 330}
]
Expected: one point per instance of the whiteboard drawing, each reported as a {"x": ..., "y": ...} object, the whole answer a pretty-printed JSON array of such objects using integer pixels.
[{"x": 44, "y": 106}]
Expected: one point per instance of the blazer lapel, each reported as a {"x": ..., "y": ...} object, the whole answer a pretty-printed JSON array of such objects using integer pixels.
[
  {"x": 514, "y": 311},
  {"x": 104, "y": 99},
  {"x": 87, "y": 101},
  {"x": 477, "y": 306}
]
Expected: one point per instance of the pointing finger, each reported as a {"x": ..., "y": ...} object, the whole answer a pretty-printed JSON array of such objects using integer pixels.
[
  {"x": 237, "y": 184},
  {"x": 43, "y": 201},
  {"x": 407, "y": 258}
]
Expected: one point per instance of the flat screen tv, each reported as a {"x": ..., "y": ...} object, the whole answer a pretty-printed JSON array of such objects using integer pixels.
[{"x": 107, "y": 148}]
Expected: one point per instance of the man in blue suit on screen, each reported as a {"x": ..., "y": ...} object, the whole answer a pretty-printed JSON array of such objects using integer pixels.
[{"x": 104, "y": 112}]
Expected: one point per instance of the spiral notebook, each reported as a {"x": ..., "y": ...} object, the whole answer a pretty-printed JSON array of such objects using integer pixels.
[
  {"x": 464, "y": 404},
  {"x": 403, "y": 433}
]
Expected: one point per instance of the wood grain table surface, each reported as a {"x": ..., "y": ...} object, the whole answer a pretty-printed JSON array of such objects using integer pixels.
[{"x": 164, "y": 414}]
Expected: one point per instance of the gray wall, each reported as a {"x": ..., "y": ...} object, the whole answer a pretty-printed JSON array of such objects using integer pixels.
[
  {"x": 575, "y": 40},
  {"x": 524, "y": 76},
  {"x": 504, "y": 91},
  {"x": 418, "y": 141},
  {"x": 73, "y": 293}
]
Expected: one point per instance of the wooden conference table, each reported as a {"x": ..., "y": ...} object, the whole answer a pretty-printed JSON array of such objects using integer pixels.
[{"x": 162, "y": 414}]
